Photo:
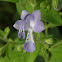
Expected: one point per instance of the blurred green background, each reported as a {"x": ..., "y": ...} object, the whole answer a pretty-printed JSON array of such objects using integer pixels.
[{"x": 48, "y": 43}]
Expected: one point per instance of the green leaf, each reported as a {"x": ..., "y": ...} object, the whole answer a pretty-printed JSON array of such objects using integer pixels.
[
  {"x": 19, "y": 48},
  {"x": 56, "y": 52},
  {"x": 55, "y": 32},
  {"x": 29, "y": 7},
  {"x": 51, "y": 16},
  {"x": 6, "y": 30},
  {"x": 14, "y": 57},
  {"x": 21, "y": 6},
  {"x": 2, "y": 33},
  {"x": 6, "y": 59},
  {"x": 17, "y": 56},
  {"x": 39, "y": 36},
  {"x": 37, "y": 6},
  {"x": 14, "y": 1},
  {"x": 24, "y": 5},
  {"x": 2, "y": 49},
  {"x": 9, "y": 49},
  {"x": 40, "y": 59}
]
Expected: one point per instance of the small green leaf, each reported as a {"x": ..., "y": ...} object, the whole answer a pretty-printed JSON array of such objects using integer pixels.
[
  {"x": 2, "y": 33},
  {"x": 6, "y": 30},
  {"x": 19, "y": 48},
  {"x": 14, "y": 1},
  {"x": 56, "y": 52}
]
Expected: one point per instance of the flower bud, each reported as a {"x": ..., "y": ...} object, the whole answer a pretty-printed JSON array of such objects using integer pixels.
[
  {"x": 56, "y": 4},
  {"x": 49, "y": 41}
]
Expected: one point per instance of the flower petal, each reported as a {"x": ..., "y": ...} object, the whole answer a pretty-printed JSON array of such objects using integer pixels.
[
  {"x": 29, "y": 46},
  {"x": 25, "y": 25},
  {"x": 19, "y": 34},
  {"x": 30, "y": 20},
  {"x": 23, "y": 35},
  {"x": 39, "y": 27},
  {"x": 24, "y": 13},
  {"x": 37, "y": 14},
  {"x": 17, "y": 24}
]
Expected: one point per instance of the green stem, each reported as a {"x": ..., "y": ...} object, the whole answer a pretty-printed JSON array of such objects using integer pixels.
[
  {"x": 8, "y": 41},
  {"x": 46, "y": 29},
  {"x": 57, "y": 44},
  {"x": 46, "y": 57},
  {"x": 60, "y": 13},
  {"x": 34, "y": 1}
]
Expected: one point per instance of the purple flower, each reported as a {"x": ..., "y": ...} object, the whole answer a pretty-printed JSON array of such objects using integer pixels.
[{"x": 30, "y": 22}]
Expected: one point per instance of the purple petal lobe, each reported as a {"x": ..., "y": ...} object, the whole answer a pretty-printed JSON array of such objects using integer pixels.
[
  {"x": 30, "y": 20},
  {"x": 37, "y": 15},
  {"x": 17, "y": 24},
  {"x": 29, "y": 46},
  {"x": 39, "y": 27},
  {"x": 25, "y": 25},
  {"x": 24, "y": 13},
  {"x": 19, "y": 34},
  {"x": 23, "y": 35}
]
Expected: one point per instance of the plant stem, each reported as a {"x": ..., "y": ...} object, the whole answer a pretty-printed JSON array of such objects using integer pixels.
[
  {"x": 34, "y": 1},
  {"x": 60, "y": 13},
  {"x": 8, "y": 41},
  {"x": 46, "y": 29},
  {"x": 57, "y": 44}
]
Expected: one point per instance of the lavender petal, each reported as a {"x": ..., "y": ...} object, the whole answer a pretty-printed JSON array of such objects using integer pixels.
[
  {"x": 23, "y": 14},
  {"x": 39, "y": 27},
  {"x": 23, "y": 35},
  {"x": 29, "y": 46},
  {"x": 17, "y": 24},
  {"x": 37, "y": 15},
  {"x": 19, "y": 34},
  {"x": 30, "y": 20}
]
